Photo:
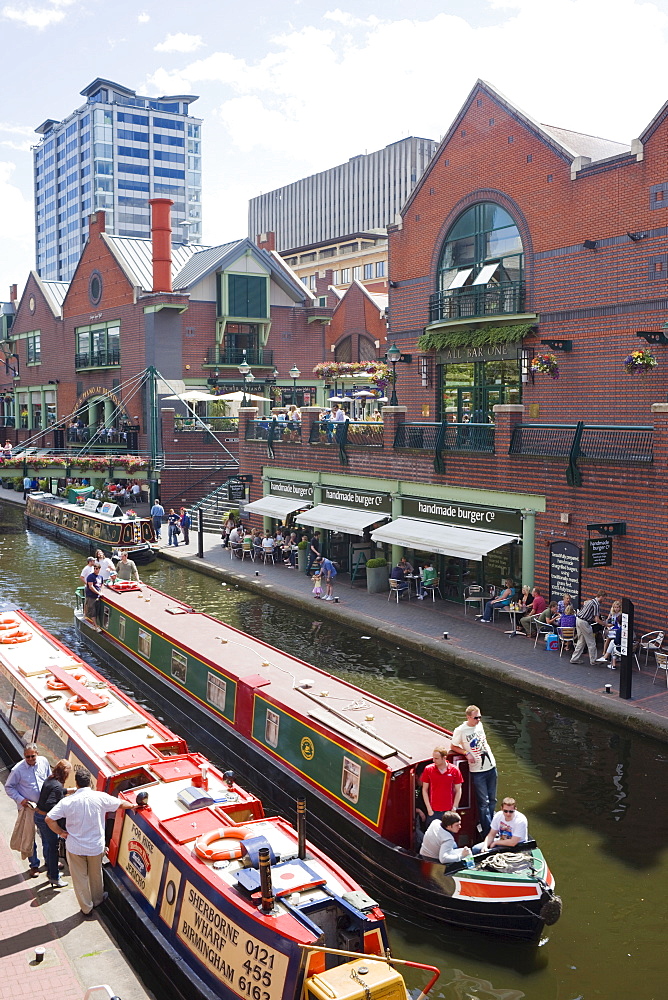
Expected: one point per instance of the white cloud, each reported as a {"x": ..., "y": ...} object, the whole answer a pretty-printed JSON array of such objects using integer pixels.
[
  {"x": 180, "y": 42},
  {"x": 349, "y": 20},
  {"x": 143, "y": 18},
  {"x": 38, "y": 17},
  {"x": 23, "y": 147},
  {"x": 16, "y": 246}
]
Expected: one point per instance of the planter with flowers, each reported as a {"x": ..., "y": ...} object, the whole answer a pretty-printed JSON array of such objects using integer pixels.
[
  {"x": 640, "y": 362},
  {"x": 545, "y": 364}
]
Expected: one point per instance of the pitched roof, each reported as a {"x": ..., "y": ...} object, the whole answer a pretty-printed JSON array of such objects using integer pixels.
[
  {"x": 201, "y": 263},
  {"x": 581, "y": 144},
  {"x": 54, "y": 293},
  {"x": 135, "y": 256}
]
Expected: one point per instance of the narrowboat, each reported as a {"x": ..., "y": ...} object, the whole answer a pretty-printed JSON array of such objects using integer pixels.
[
  {"x": 287, "y": 726},
  {"x": 91, "y": 524},
  {"x": 224, "y": 901}
]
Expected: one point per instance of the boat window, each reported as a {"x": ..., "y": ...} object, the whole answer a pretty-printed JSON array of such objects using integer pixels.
[
  {"x": 74, "y": 523},
  {"x": 144, "y": 644},
  {"x": 106, "y": 615},
  {"x": 96, "y": 529},
  {"x": 216, "y": 691},
  {"x": 350, "y": 781},
  {"x": 179, "y": 666},
  {"x": 121, "y": 627},
  {"x": 271, "y": 728},
  {"x": 50, "y": 745},
  {"x": 129, "y": 779},
  {"x": 6, "y": 696},
  {"x": 147, "y": 532},
  {"x": 127, "y": 534},
  {"x": 22, "y": 718}
]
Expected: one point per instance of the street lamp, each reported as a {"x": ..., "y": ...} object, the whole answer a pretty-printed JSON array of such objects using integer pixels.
[
  {"x": 393, "y": 355},
  {"x": 294, "y": 375},
  {"x": 245, "y": 370}
]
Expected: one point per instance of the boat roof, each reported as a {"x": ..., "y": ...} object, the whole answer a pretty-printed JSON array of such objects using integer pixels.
[
  {"x": 391, "y": 736},
  {"x": 105, "y": 510},
  {"x": 123, "y": 738}
]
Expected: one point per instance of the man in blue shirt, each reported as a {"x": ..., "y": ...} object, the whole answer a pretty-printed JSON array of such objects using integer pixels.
[
  {"x": 328, "y": 568},
  {"x": 24, "y": 785},
  {"x": 157, "y": 514}
]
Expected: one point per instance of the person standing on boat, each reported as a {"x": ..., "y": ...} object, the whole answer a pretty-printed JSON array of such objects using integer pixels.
[
  {"x": 87, "y": 570},
  {"x": 157, "y": 514},
  {"x": 173, "y": 527},
  {"x": 93, "y": 605},
  {"x": 470, "y": 739},
  {"x": 509, "y": 827},
  {"x": 52, "y": 792},
  {"x": 441, "y": 784},
  {"x": 127, "y": 569},
  {"x": 24, "y": 785},
  {"x": 84, "y": 812},
  {"x": 439, "y": 842},
  {"x": 107, "y": 566}
]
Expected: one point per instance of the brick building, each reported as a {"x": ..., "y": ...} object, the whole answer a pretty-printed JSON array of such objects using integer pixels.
[{"x": 519, "y": 241}]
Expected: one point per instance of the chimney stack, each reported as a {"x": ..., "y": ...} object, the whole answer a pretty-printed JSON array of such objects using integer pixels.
[
  {"x": 161, "y": 239},
  {"x": 266, "y": 241},
  {"x": 13, "y": 293}
]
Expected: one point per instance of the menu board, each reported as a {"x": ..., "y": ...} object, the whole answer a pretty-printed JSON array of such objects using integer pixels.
[
  {"x": 599, "y": 552},
  {"x": 565, "y": 571}
]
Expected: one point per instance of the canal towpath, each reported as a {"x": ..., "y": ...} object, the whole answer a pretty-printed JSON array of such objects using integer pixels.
[{"x": 420, "y": 626}]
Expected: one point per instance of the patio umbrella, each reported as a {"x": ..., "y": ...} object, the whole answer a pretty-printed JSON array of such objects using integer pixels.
[
  {"x": 339, "y": 399},
  {"x": 364, "y": 394},
  {"x": 238, "y": 397},
  {"x": 192, "y": 396}
]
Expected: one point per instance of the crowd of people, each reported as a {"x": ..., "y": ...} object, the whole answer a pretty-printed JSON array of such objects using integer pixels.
[{"x": 177, "y": 524}]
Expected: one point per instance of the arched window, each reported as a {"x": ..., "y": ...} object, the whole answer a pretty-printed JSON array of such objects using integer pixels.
[
  {"x": 481, "y": 267},
  {"x": 344, "y": 350},
  {"x": 367, "y": 349}
]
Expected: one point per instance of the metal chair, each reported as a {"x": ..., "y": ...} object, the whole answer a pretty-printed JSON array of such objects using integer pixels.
[
  {"x": 432, "y": 587},
  {"x": 651, "y": 642},
  {"x": 566, "y": 635},
  {"x": 247, "y": 550},
  {"x": 474, "y": 594},
  {"x": 534, "y": 622},
  {"x": 397, "y": 587},
  {"x": 661, "y": 664},
  {"x": 268, "y": 556},
  {"x": 542, "y": 628}
]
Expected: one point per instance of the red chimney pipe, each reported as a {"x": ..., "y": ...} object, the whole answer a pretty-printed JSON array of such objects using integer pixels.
[{"x": 161, "y": 238}]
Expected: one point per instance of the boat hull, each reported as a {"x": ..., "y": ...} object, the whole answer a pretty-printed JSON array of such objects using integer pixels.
[
  {"x": 417, "y": 890},
  {"x": 142, "y": 554}
]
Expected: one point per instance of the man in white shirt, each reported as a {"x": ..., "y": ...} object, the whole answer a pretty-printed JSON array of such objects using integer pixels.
[
  {"x": 509, "y": 827},
  {"x": 24, "y": 785},
  {"x": 470, "y": 739},
  {"x": 87, "y": 570},
  {"x": 84, "y": 812},
  {"x": 439, "y": 842}
]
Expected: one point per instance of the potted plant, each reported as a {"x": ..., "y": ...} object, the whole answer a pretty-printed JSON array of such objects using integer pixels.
[
  {"x": 640, "y": 362},
  {"x": 302, "y": 555},
  {"x": 377, "y": 575}
]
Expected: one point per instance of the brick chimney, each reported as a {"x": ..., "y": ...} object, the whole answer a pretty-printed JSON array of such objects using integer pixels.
[
  {"x": 13, "y": 293},
  {"x": 161, "y": 238},
  {"x": 266, "y": 241},
  {"x": 96, "y": 223}
]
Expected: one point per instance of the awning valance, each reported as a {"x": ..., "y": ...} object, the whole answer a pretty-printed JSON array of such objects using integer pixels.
[
  {"x": 444, "y": 539},
  {"x": 278, "y": 507},
  {"x": 345, "y": 519}
]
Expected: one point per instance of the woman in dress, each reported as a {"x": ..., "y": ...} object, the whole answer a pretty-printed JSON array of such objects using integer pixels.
[{"x": 52, "y": 792}]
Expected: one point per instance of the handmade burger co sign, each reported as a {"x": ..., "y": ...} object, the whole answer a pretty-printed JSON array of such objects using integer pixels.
[{"x": 500, "y": 519}]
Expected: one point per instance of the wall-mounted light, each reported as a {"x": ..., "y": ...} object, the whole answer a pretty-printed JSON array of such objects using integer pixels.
[
  {"x": 590, "y": 244},
  {"x": 426, "y": 370},
  {"x": 637, "y": 236}
]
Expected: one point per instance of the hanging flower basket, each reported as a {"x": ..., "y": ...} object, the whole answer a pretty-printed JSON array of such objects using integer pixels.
[
  {"x": 545, "y": 364},
  {"x": 640, "y": 362}
]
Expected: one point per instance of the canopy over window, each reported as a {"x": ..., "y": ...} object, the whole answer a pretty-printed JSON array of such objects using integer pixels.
[
  {"x": 278, "y": 507},
  {"x": 344, "y": 519},
  {"x": 444, "y": 539}
]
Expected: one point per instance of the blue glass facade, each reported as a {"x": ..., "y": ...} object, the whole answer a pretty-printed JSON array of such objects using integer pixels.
[{"x": 114, "y": 153}]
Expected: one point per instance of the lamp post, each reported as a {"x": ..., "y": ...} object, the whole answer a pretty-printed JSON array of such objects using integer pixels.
[
  {"x": 393, "y": 355},
  {"x": 294, "y": 375},
  {"x": 244, "y": 369}
]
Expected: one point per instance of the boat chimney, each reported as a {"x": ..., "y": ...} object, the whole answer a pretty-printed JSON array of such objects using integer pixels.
[
  {"x": 301, "y": 827},
  {"x": 161, "y": 240},
  {"x": 229, "y": 779},
  {"x": 265, "y": 880}
]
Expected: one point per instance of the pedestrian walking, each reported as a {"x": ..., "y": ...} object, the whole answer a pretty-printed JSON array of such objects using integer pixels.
[
  {"x": 84, "y": 813},
  {"x": 24, "y": 785},
  {"x": 186, "y": 522},
  {"x": 585, "y": 619}
]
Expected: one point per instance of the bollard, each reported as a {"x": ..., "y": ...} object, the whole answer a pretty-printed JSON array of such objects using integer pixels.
[{"x": 265, "y": 880}]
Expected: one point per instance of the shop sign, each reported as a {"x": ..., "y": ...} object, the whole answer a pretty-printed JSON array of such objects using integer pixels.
[
  {"x": 359, "y": 499},
  {"x": 286, "y": 488},
  {"x": 599, "y": 552},
  {"x": 465, "y": 515},
  {"x": 236, "y": 490},
  {"x": 491, "y": 352},
  {"x": 565, "y": 571}
]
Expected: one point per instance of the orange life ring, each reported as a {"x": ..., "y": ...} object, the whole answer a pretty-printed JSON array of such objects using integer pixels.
[
  {"x": 55, "y": 685},
  {"x": 7, "y": 623},
  {"x": 16, "y": 637},
  {"x": 203, "y": 844},
  {"x": 77, "y": 704}
]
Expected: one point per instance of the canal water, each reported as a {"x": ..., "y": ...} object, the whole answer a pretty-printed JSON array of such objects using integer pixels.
[{"x": 594, "y": 794}]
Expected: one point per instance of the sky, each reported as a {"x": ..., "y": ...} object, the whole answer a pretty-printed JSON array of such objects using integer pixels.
[{"x": 293, "y": 87}]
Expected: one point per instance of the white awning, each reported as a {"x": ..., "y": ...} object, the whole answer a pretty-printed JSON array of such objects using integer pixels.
[
  {"x": 445, "y": 539},
  {"x": 345, "y": 519},
  {"x": 278, "y": 507},
  {"x": 459, "y": 278},
  {"x": 485, "y": 274}
]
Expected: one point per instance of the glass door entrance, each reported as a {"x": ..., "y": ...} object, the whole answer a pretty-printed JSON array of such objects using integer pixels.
[{"x": 469, "y": 392}]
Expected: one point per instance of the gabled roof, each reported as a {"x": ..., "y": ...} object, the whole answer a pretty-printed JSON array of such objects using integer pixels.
[
  {"x": 54, "y": 293},
  {"x": 379, "y": 300},
  {"x": 200, "y": 264},
  {"x": 135, "y": 256},
  {"x": 294, "y": 278},
  {"x": 592, "y": 146}
]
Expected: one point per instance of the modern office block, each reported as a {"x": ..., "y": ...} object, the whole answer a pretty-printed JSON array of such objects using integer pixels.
[
  {"x": 115, "y": 152},
  {"x": 360, "y": 196}
]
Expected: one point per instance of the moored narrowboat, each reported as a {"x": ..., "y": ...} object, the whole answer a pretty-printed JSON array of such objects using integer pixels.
[
  {"x": 288, "y": 726},
  {"x": 223, "y": 901},
  {"x": 92, "y": 524}
]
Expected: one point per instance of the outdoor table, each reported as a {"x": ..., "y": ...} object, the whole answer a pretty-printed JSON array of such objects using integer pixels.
[{"x": 513, "y": 612}]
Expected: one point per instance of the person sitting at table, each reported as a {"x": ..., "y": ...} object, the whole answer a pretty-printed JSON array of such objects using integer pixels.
[
  {"x": 406, "y": 566},
  {"x": 399, "y": 575},
  {"x": 537, "y": 606},
  {"x": 550, "y": 616},
  {"x": 502, "y": 601},
  {"x": 235, "y": 541},
  {"x": 427, "y": 576},
  {"x": 566, "y": 599},
  {"x": 439, "y": 842},
  {"x": 268, "y": 545},
  {"x": 527, "y": 597}
]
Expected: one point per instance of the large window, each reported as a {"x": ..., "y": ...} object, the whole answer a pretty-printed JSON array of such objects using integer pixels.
[
  {"x": 247, "y": 295},
  {"x": 33, "y": 348},
  {"x": 98, "y": 346}
]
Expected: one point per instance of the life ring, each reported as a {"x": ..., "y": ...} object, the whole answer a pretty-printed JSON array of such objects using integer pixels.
[
  {"x": 203, "y": 844},
  {"x": 78, "y": 704},
  {"x": 16, "y": 637},
  {"x": 7, "y": 623},
  {"x": 56, "y": 685}
]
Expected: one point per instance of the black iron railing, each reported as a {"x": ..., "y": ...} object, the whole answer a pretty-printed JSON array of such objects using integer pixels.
[
  {"x": 477, "y": 300},
  {"x": 331, "y": 432},
  {"x": 365, "y": 434},
  {"x": 451, "y": 437},
  {"x": 235, "y": 356},
  {"x": 188, "y": 424},
  {"x": 97, "y": 359}
]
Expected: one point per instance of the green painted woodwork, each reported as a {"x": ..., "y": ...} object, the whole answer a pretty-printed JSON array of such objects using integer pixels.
[
  {"x": 210, "y": 685},
  {"x": 483, "y": 336},
  {"x": 320, "y": 759},
  {"x": 247, "y": 295}
]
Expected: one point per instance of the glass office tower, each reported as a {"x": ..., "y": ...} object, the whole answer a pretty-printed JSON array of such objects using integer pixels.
[{"x": 116, "y": 152}]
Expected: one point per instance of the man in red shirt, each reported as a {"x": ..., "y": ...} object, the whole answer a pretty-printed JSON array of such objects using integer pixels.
[
  {"x": 539, "y": 603},
  {"x": 441, "y": 784}
]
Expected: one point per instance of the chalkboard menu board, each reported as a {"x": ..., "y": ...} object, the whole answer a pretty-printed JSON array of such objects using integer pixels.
[
  {"x": 236, "y": 489},
  {"x": 565, "y": 571},
  {"x": 599, "y": 552}
]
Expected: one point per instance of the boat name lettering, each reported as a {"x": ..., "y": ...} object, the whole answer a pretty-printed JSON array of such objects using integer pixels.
[
  {"x": 200, "y": 941},
  {"x": 216, "y": 925}
]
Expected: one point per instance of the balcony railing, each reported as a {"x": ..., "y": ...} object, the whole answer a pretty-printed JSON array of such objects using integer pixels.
[
  {"x": 235, "y": 356},
  {"x": 445, "y": 437},
  {"x": 365, "y": 434},
  {"x": 477, "y": 300},
  {"x": 280, "y": 431},
  {"x": 599, "y": 442},
  {"x": 97, "y": 359},
  {"x": 220, "y": 424}
]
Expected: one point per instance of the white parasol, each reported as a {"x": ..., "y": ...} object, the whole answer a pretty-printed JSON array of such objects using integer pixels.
[
  {"x": 238, "y": 397},
  {"x": 364, "y": 394},
  {"x": 339, "y": 399},
  {"x": 192, "y": 396}
]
